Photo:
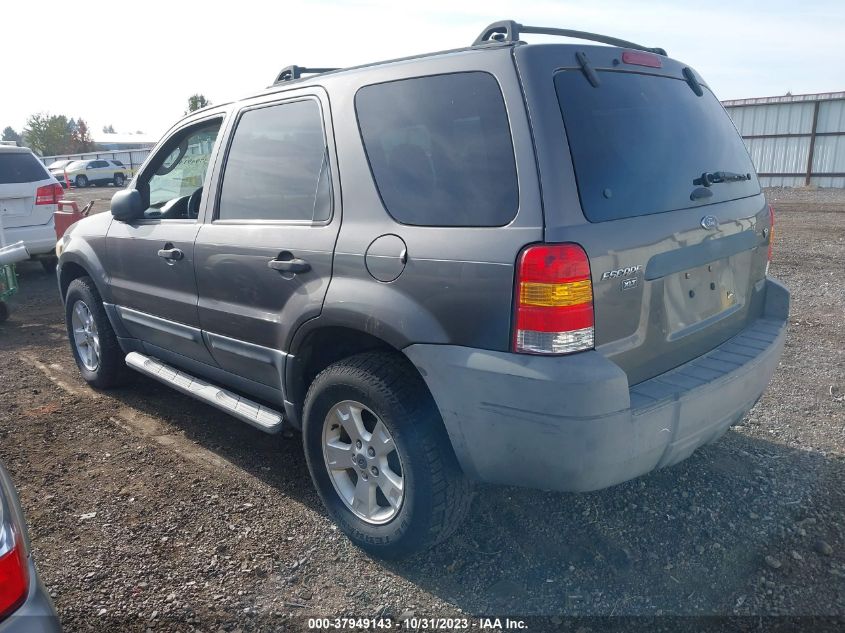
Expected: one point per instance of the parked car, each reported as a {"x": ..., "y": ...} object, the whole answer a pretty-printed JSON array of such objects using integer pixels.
[
  {"x": 82, "y": 173},
  {"x": 58, "y": 165},
  {"x": 25, "y": 606},
  {"x": 28, "y": 199},
  {"x": 462, "y": 322}
]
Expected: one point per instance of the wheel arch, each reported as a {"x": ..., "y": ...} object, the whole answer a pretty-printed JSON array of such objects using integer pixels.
[{"x": 318, "y": 347}]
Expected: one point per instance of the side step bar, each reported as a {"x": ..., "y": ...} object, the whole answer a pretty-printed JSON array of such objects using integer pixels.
[{"x": 257, "y": 415}]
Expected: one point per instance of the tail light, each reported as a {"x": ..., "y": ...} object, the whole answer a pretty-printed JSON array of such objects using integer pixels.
[
  {"x": 771, "y": 235},
  {"x": 554, "y": 300},
  {"x": 14, "y": 569},
  {"x": 49, "y": 194}
]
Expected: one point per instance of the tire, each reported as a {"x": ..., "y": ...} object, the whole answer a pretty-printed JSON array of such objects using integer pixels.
[
  {"x": 109, "y": 370},
  {"x": 436, "y": 495},
  {"x": 119, "y": 180},
  {"x": 81, "y": 182},
  {"x": 4, "y": 311},
  {"x": 49, "y": 265}
]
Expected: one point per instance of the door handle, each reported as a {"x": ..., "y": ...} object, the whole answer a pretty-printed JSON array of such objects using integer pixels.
[
  {"x": 293, "y": 265},
  {"x": 172, "y": 254}
]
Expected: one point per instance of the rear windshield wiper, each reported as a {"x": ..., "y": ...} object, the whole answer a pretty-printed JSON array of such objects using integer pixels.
[{"x": 715, "y": 177}]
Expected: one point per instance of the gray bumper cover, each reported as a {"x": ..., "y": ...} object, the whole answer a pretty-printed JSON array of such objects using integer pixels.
[{"x": 572, "y": 423}]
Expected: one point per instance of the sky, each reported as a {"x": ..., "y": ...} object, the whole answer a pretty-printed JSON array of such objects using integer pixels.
[{"x": 133, "y": 65}]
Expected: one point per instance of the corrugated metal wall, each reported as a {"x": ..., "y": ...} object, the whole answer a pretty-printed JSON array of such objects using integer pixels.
[{"x": 783, "y": 132}]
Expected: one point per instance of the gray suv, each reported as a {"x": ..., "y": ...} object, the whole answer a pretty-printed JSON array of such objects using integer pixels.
[{"x": 536, "y": 265}]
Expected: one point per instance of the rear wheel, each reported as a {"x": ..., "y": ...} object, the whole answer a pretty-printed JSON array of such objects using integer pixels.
[
  {"x": 82, "y": 182},
  {"x": 119, "y": 179},
  {"x": 380, "y": 457},
  {"x": 92, "y": 339}
]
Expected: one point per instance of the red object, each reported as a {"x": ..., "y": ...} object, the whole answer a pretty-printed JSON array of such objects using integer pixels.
[
  {"x": 67, "y": 181},
  {"x": 638, "y": 58},
  {"x": 557, "y": 264},
  {"x": 771, "y": 230},
  {"x": 14, "y": 576},
  {"x": 63, "y": 219},
  {"x": 49, "y": 194}
]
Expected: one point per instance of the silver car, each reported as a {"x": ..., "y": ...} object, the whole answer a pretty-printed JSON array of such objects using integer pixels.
[{"x": 25, "y": 606}]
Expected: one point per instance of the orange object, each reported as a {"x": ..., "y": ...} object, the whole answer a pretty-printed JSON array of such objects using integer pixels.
[
  {"x": 67, "y": 182},
  {"x": 63, "y": 219}
]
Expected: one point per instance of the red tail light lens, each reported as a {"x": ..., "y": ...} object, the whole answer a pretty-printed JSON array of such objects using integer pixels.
[
  {"x": 554, "y": 300},
  {"x": 771, "y": 233},
  {"x": 14, "y": 572},
  {"x": 49, "y": 194},
  {"x": 14, "y": 558}
]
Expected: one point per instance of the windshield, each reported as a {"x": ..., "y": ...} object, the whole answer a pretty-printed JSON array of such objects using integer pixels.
[
  {"x": 77, "y": 164},
  {"x": 639, "y": 142}
]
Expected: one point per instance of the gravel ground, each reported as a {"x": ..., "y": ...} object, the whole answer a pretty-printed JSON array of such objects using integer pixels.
[{"x": 149, "y": 511}]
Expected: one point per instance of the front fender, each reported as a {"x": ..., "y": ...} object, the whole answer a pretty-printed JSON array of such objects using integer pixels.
[{"x": 85, "y": 246}]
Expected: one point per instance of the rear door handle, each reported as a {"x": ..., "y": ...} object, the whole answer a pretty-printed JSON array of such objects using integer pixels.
[
  {"x": 173, "y": 254},
  {"x": 293, "y": 265}
]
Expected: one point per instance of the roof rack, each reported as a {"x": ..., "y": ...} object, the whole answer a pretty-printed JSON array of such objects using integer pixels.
[
  {"x": 509, "y": 31},
  {"x": 289, "y": 73}
]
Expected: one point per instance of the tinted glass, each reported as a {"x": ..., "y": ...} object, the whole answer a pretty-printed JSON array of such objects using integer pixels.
[
  {"x": 639, "y": 141},
  {"x": 20, "y": 167},
  {"x": 183, "y": 169},
  {"x": 440, "y": 149},
  {"x": 277, "y": 166}
]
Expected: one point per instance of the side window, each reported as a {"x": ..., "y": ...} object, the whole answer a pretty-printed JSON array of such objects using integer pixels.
[
  {"x": 178, "y": 170},
  {"x": 440, "y": 149},
  {"x": 277, "y": 167}
]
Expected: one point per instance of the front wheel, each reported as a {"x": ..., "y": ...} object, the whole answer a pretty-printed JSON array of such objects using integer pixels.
[
  {"x": 380, "y": 457},
  {"x": 119, "y": 179},
  {"x": 81, "y": 182},
  {"x": 92, "y": 339}
]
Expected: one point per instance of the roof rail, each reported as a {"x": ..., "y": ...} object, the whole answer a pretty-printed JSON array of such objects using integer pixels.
[
  {"x": 289, "y": 73},
  {"x": 509, "y": 31}
]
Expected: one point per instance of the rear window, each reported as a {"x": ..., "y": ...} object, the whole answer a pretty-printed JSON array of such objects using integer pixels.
[
  {"x": 638, "y": 141},
  {"x": 440, "y": 149},
  {"x": 20, "y": 167}
]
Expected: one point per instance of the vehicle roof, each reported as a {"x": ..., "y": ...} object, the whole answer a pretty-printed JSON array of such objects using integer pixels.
[{"x": 11, "y": 149}]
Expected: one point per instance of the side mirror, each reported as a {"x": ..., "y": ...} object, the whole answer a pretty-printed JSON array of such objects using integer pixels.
[{"x": 126, "y": 205}]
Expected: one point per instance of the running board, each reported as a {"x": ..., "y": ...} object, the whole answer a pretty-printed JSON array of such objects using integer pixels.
[{"x": 257, "y": 415}]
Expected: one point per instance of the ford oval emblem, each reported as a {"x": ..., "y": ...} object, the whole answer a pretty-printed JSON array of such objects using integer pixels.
[{"x": 709, "y": 222}]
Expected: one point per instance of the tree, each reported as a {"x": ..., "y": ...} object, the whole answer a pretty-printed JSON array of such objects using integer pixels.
[
  {"x": 48, "y": 134},
  {"x": 108, "y": 129},
  {"x": 81, "y": 137},
  {"x": 197, "y": 101},
  {"x": 10, "y": 135}
]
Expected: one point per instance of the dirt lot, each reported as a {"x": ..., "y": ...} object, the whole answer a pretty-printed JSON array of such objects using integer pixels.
[{"x": 150, "y": 511}]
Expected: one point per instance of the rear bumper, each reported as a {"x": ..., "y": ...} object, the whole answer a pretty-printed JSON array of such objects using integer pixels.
[
  {"x": 37, "y": 614},
  {"x": 573, "y": 423},
  {"x": 39, "y": 239}
]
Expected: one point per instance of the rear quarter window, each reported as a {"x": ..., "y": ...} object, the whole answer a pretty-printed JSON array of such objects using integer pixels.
[
  {"x": 440, "y": 149},
  {"x": 20, "y": 167}
]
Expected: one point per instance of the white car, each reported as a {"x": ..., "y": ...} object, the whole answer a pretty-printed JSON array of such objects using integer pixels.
[
  {"x": 29, "y": 197},
  {"x": 82, "y": 173}
]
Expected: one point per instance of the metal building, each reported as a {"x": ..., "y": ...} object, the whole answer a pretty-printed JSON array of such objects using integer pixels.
[{"x": 794, "y": 140}]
